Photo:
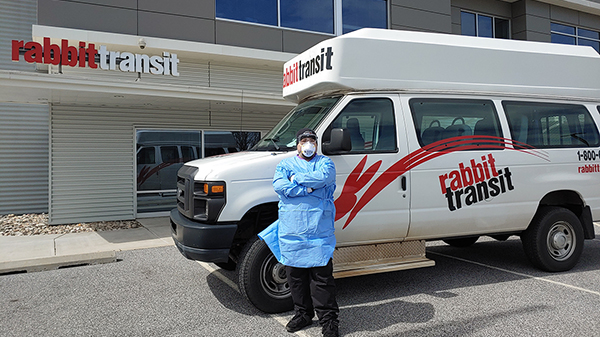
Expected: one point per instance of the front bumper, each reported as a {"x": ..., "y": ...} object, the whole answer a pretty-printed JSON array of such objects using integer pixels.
[{"x": 200, "y": 241}]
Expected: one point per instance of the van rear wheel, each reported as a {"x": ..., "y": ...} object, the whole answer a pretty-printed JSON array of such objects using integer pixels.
[
  {"x": 554, "y": 240},
  {"x": 262, "y": 279}
]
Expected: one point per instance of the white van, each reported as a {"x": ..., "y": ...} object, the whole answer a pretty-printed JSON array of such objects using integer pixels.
[{"x": 433, "y": 137}]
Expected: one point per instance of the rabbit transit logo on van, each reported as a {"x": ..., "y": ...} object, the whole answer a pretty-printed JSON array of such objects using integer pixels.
[
  {"x": 475, "y": 182},
  {"x": 470, "y": 183},
  {"x": 301, "y": 70}
]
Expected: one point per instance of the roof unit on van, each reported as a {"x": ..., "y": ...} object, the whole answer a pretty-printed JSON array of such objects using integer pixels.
[{"x": 378, "y": 59}]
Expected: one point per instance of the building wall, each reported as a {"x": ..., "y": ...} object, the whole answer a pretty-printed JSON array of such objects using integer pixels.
[
  {"x": 24, "y": 128},
  {"x": 427, "y": 16},
  {"x": 93, "y": 153},
  {"x": 23, "y": 158},
  {"x": 190, "y": 20},
  {"x": 531, "y": 19}
]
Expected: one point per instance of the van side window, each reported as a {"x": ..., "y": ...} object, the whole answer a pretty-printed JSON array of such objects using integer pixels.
[
  {"x": 169, "y": 154},
  {"x": 188, "y": 153},
  {"x": 371, "y": 124},
  {"x": 547, "y": 125},
  {"x": 439, "y": 119},
  {"x": 146, "y": 156}
]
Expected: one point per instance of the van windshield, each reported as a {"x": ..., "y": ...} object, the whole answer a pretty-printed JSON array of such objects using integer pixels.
[{"x": 305, "y": 115}]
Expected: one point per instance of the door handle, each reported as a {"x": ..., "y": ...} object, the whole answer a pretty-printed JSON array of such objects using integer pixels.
[{"x": 403, "y": 183}]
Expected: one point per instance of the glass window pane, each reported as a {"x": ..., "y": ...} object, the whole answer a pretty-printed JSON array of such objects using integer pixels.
[
  {"x": 556, "y": 27},
  {"x": 307, "y": 114},
  {"x": 467, "y": 24},
  {"x": 563, "y": 39},
  {"x": 370, "y": 122},
  {"x": 245, "y": 140},
  {"x": 146, "y": 155},
  {"x": 588, "y": 33},
  {"x": 313, "y": 15},
  {"x": 484, "y": 28},
  {"x": 594, "y": 44},
  {"x": 158, "y": 160},
  {"x": 256, "y": 11},
  {"x": 546, "y": 125},
  {"x": 439, "y": 119},
  {"x": 219, "y": 142},
  {"x": 358, "y": 14},
  {"x": 502, "y": 28}
]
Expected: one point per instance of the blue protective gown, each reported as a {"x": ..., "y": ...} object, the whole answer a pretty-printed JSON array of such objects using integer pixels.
[{"x": 304, "y": 234}]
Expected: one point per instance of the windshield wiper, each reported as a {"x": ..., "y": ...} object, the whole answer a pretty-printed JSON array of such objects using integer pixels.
[
  {"x": 273, "y": 140},
  {"x": 575, "y": 135}
]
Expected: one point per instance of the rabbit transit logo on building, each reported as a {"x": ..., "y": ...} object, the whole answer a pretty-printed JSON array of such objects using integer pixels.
[
  {"x": 300, "y": 70},
  {"x": 87, "y": 54}
]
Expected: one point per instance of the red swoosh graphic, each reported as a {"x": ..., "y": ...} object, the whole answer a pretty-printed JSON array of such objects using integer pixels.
[{"x": 415, "y": 159}]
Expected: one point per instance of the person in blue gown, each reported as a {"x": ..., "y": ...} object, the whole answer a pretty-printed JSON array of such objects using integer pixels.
[{"x": 303, "y": 237}]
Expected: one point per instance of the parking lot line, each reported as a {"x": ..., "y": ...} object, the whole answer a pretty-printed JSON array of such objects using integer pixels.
[
  {"x": 281, "y": 319},
  {"x": 219, "y": 275},
  {"x": 519, "y": 274}
]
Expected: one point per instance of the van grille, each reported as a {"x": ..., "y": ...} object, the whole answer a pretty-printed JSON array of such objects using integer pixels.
[{"x": 185, "y": 195}]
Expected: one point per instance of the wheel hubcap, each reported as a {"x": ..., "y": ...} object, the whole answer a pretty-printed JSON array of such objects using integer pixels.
[
  {"x": 561, "y": 240},
  {"x": 273, "y": 278}
]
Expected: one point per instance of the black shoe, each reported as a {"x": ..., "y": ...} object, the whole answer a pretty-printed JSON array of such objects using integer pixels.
[
  {"x": 298, "y": 322},
  {"x": 330, "y": 329}
]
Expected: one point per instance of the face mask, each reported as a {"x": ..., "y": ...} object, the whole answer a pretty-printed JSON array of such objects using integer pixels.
[{"x": 308, "y": 149}]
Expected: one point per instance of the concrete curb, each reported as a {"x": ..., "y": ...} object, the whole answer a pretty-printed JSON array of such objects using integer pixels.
[{"x": 56, "y": 262}]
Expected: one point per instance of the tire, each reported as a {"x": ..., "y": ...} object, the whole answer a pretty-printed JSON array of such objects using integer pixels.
[
  {"x": 553, "y": 241},
  {"x": 262, "y": 279},
  {"x": 229, "y": 265},
  {"x": 462, "y": 242}
]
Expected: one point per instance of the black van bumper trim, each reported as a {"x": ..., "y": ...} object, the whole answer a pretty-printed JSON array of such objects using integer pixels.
[{"x": 201, "y": 241}]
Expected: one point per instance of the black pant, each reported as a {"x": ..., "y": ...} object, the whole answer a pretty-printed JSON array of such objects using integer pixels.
[{"x": 313, "y": 290}]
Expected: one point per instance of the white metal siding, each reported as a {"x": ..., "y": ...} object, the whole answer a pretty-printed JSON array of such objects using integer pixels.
[
  {"x": 93, "y": 149},
  {"x": 16, "y": 18},
  {"x": 23, "y": 158},
  {"x": 200, "y": 74},
  {"x": 245, "y": 78}
]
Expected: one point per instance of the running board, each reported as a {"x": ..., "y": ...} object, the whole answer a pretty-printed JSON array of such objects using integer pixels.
[{"x": 379, "y": 258}]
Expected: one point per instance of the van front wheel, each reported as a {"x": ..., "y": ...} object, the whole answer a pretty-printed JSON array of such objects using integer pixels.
[
  {"x": 554, "y": 240},
  {"x": 262, "y": 279}
]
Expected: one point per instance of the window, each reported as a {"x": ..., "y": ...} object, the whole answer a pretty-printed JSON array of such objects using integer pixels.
[
  {"x": 473, "y": 24},
  {"x": 564, "y": 34},
  {"x": 161, "y": 153},
  {"x": 323, "y": 16},
  {"x": 146, "y": 155},
  {"x": 439, "y": 119},
  {"x": 307, "y": 114},
  {"x": 358, "y": 14},
  {"x": 546, "y": 125},
  {"x": 313, "y": 15},
  {"x": 371, "y": 124},
  {"x": 255, "y": 11}
]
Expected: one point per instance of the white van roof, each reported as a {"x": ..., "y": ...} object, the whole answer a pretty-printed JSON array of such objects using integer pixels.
[{"x": 381, "y": 59}]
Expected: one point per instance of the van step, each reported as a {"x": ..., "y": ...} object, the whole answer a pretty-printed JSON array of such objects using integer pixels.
[
  {"x": 379, "y": 258},
  {"x": 367, "y": 269}
]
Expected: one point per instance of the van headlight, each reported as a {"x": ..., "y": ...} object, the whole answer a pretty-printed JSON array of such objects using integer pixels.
[
  {"x": 200, "y": 200},
  {"x": 208, "y": 200}
]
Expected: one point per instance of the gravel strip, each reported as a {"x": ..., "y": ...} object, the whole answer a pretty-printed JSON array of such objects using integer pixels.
[{"x": 37, "y": 224}]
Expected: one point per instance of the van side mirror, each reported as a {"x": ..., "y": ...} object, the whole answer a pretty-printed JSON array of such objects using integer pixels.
[{"x": 340, "y": 141}]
